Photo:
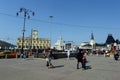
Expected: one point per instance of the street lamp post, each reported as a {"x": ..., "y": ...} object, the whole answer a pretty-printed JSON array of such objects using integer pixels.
[
  {"x": 51, "y": 30},
  {"x": 26, "y": 13}
]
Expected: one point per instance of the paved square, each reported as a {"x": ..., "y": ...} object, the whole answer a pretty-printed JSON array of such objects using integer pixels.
[{"x": 98, "y": 68}]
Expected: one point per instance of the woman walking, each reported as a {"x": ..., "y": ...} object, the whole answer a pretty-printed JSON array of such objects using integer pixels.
[{"x": 48, "y": 59}]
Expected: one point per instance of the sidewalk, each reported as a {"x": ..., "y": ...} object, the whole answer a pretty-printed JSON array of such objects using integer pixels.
[{"x": 98, "y": 68}]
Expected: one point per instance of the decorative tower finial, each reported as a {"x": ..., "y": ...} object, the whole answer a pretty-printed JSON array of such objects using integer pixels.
[
  {"x": 61, "y": 37},
  {"x": 92, "y": 42},
  {"x": 92, "y": 36}
]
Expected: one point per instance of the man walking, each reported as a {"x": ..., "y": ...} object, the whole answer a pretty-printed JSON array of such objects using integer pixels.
[{"x": 81, "y": 59}]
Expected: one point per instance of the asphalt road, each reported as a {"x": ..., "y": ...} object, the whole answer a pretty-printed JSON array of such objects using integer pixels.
[{"x": 98, "y": 68}]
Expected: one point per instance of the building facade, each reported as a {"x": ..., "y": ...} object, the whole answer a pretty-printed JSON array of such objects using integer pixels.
[
  {"x": 88, "y": 45},
  {"x": 34, "y": 42},
  {"x": 110, "y": 44},
  {"x": 6, "y": 45},
  {"x": 64, "y": 45},
  {"x": 60, "y": 44}
]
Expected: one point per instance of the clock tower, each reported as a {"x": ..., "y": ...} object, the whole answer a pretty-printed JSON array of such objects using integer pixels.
[{"x": 35, "y": 34}]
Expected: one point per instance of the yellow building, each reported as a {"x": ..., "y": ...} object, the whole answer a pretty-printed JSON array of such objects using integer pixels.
[{"x": 34, "y": 42}]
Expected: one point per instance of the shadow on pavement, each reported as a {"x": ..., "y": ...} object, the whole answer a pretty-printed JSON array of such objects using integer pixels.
[
  {"x": 59, "y": 66},
  {"x": 88, "y": 67}
]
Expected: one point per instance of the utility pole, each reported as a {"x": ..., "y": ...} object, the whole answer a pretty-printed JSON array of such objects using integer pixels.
[
  {"x": 51, "y": 17},
  {"x": 26, "y": 13},
  {"x": 31, "y": 39}
]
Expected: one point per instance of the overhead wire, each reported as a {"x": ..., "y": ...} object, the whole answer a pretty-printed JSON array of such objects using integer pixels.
[{"x": 64, "y": 24}]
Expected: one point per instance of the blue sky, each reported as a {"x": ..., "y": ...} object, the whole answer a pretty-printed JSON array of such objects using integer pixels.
[{"x": 75, "y": 20}]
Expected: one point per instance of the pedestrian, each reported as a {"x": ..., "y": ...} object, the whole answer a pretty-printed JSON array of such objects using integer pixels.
[
  {"x": 45, "y": 56},
  {"x": 116, "y": 55},
  {"x": 81, "y": 58},
  {"x": 48, "y": 59},
  {"x": 68, "y": 54}
]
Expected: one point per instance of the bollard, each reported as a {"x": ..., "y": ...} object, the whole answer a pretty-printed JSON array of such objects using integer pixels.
[
  {"x": 6, "y": 56},
  {"x": 16, "y": 56}
]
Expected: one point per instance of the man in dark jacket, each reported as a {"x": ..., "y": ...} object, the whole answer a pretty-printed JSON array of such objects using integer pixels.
[
  {"x": 80, "y": 58},
  {"x": 116, "y": 55}
]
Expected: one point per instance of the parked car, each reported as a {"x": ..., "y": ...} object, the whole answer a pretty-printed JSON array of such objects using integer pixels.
[
  {"x": 2, "y": 55},
  {"x": 8, "y": 54},
  {"x": 107, "y": 55}
]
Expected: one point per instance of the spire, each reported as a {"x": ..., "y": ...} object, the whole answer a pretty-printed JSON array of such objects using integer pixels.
[
  {"x": 61, "y": 37},
  {"x": 92, "y": 36},
  {"x": 92, "y": 42}
]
